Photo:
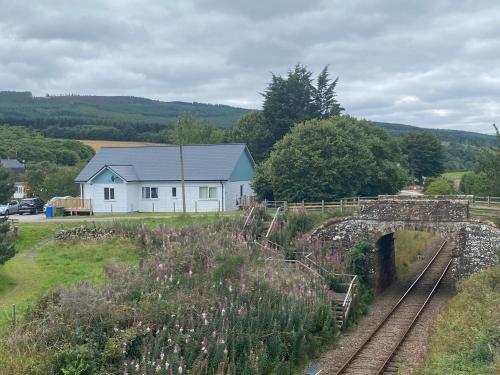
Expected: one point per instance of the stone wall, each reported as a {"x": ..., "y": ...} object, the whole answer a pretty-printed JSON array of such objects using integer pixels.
[
  {"x": 478, "y": 248},
  {"x": 476, "y": 245},
  {"x": 397, "y": 209}
]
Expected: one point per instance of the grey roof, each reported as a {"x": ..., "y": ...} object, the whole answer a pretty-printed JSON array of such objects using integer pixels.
[
  {"x": 11, "y": 164},
  {"x": 161, "y": 163}
]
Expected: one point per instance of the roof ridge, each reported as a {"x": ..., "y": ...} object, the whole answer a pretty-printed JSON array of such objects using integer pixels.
[{"x": 167, "y": 146}]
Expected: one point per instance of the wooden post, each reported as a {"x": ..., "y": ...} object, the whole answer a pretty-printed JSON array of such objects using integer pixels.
[
  {"x": 174, "y": 207},
  {"x": 219, "y": 206},
  {"x": 489, "y": 200},
  {"x": 13, "y": 316},
  {"x": 341, "y": 205},
  {"x": 322, "y": 206},
  {"x": 195, "y": 206},
  {"x": 153, "y": 206}
]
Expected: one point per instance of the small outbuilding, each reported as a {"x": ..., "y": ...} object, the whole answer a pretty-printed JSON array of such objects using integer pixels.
[{"x": 148, "y": 179}]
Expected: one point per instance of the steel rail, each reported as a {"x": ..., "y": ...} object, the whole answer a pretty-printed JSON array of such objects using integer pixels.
[
  {"x": 417, "y": 315},
  {"x": 390, "y": 313}
]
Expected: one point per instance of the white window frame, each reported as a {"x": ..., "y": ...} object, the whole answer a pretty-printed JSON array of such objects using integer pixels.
[
  {"x": 147, "y": 192},
  {"x": 211, "y": 193},
  {"x": 110, "y": 190}
]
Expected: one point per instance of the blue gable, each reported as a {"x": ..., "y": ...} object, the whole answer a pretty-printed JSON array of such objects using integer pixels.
[
  {"x": 244, "y": 169},
  {"x": 107, "y": 177}
]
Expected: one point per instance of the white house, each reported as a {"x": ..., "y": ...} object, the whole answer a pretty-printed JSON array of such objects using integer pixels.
[
  {"x": 17, "y": 169},
  {"x": 148, "y": 179}
]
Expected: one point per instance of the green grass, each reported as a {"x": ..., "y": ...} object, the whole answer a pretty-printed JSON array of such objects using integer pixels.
[
  {"x": 408, "y": 246},
  {"x": 466, "y": 334},
  {"x": 32, "y": 272},
  {"x": 455, "y": 178},
  {"x": 454, "y": 175},
  {"x": 42, "y": 263}
]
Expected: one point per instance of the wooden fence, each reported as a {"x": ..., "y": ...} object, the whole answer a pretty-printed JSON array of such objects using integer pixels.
[{"x": 476, "y": 203}]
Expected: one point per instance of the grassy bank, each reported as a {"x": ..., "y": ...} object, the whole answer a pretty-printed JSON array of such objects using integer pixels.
[
  {"x": 467, "y": 334},
  {"x": 202, "y": 302},
  {"x": 408, "y": 246},
  {"x": 41, "y": 263}
]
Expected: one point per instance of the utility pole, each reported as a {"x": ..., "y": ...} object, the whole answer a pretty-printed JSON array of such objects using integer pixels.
[{"x": 183, "y": 186}]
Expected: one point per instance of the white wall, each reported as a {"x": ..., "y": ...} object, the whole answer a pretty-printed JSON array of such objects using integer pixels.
[
  {"x": 232, "y": 193},
  {"x": 96, "y": 193},
  {"x": 128, "y": 197}
]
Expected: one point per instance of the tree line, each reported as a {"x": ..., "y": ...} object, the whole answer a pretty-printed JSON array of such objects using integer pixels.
[{"x": 51, "y": 164}]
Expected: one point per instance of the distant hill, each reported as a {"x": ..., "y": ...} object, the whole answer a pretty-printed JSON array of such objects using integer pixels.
[
  {"x": 128, "y": 118},
  {"x": 445, "y": 135},
  {"x": 109, "y": 117}
]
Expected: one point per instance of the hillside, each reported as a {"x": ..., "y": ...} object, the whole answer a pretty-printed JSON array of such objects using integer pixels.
[
  {"x": 106, "y": 117},
  {"x": 445, "y": 135},
  {"x": 128, "y": 118}
]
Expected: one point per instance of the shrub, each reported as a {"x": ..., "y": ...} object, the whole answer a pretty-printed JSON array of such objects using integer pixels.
[
  {"x": 79, "y": 360},
  {"x": 438, "y": 186}
]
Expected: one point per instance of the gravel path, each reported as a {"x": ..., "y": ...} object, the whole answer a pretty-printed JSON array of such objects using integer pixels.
[{"x": 351, "y": 340}]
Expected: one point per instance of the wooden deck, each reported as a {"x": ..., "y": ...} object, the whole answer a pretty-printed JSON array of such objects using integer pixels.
[{"x": 75, "y": 206}]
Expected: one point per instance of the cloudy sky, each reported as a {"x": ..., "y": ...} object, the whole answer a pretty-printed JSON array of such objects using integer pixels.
[{"x": 432, "y": 63}]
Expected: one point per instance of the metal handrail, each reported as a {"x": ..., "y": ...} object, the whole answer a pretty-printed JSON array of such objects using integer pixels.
[
  {"x": 248, "y": 217},
  {"x": 273, "y": 221},
  {"x": 350, "y": 290}
]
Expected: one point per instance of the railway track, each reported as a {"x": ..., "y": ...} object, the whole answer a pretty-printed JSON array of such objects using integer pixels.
[{"x": 376, "y": 354}]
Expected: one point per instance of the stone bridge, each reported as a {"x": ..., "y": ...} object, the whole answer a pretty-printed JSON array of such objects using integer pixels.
[{"x": 476, "y": 244}]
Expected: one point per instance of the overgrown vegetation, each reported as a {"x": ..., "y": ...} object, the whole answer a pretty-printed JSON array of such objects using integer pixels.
[
  {"x": 200, "y": 302},
  {"x": 438, "y": 186},
  {"x": 7, "y": 250},
  {"x": 467, "y": 335},
  {"x": 408, "y": 246}
]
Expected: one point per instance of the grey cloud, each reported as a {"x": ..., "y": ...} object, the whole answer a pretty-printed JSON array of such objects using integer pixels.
[{"x": 427, "y": 63}]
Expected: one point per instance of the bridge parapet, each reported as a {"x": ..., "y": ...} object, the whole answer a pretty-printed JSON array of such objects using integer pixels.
[{"x": 426, "y": 209}]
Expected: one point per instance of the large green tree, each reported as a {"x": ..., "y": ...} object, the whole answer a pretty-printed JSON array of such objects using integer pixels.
[
  {"x": 6, "y": 184},
  {"x": 294, "y": 99},
  {"x": 251, "y": 129},
  {"x": 326, "y": 106},
  {"x": 326, "y": 159},
  {"x": 485, "y": 180},
  {"x": 192, "y": 131},
  {"x": 47, "y": 180},
  {"x": 425, "y": 154}
]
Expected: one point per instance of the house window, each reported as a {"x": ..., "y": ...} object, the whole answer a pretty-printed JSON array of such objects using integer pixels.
[
  {"x": 149, "y": 192},
  {"x": 174, "y": 192},
  {"x": 109, "y": 194},
  {"x": 241, "y": 191},
  {"x": 208, "y": 192}
]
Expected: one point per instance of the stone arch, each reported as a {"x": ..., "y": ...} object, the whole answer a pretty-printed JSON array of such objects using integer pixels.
[{"x": 476, "y": 245}]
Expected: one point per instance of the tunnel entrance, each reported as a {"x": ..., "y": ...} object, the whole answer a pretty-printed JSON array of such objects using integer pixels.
[
  {"x": 384, "y": 263},
  {"x": 394, "y": 253}
]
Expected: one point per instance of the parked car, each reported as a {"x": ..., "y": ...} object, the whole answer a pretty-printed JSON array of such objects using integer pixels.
[
  {"x": 9, "y": 208},
  {"x": 31, "y": 206},
  {"x": 53, "y": 200}
]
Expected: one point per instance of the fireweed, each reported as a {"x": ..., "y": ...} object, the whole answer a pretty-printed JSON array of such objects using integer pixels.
[{"x": 202, "y": 302}]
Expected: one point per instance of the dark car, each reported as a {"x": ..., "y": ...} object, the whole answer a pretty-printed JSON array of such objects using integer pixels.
[{"x": 31, "y": 206}]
